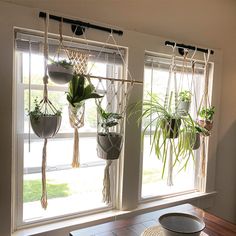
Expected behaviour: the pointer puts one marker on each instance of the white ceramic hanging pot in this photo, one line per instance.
(109, 145)
(46, 126)
(59, 74)
(183, 108)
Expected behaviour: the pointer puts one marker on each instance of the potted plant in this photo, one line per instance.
(184, 102)
(189, 138)
(79, 91)
(109, 143)
(164, 125)
(43, 124)
(60, 72)
(206, 117)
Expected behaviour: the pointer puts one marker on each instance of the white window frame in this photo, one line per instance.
(197, 185)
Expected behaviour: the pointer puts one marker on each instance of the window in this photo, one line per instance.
(70, 191)
(156, 74)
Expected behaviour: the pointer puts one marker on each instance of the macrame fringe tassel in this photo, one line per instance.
(76, 158)
(170, 167)
(202, 171)
(44, 201)
(106, 192)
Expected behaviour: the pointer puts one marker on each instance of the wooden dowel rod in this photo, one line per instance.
(112, 79)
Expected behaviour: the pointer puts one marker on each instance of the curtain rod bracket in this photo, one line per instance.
(78, 30)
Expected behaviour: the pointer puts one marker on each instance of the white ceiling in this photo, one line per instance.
(207, 22)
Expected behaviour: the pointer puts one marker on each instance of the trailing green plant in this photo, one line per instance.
(201, 130)
(36, 113)
(109, 119)
(80, 90)
(187, 138)
(162, 122)
(207, 113)
(63, 63)
(185, 96)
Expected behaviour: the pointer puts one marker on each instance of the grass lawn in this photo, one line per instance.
(64, 187)
(32, 190)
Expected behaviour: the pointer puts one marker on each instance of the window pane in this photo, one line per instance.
(154, 185)
(69, 191)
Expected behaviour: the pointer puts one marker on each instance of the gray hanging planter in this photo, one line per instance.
(183, 108)
(60, 73)
(109, 145)
(46, 126)
(196, 141)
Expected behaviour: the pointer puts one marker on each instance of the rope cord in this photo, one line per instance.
(29, 99)
(106, 183)
(172, 68)
(150, 128)
(76, 118)
(170, 165)
(205, 98)
(61, 46)
(44, 202)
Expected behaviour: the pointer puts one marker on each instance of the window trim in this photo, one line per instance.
(157, 57)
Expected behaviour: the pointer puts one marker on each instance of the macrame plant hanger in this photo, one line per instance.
(76, 114)
(115, 100)
(61, 46)
(60, 71)
(46, 107)
(205, 102)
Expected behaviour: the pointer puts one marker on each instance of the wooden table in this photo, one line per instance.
(135, 225)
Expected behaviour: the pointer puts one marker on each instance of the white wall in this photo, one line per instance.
(216, 32)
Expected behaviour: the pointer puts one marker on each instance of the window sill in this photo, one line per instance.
(86, 221)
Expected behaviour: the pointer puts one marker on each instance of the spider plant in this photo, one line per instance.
(189, 140)
(164, 125)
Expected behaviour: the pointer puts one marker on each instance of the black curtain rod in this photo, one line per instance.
(80, 26)
(181, 46)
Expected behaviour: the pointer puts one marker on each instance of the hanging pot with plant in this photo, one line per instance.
(109, 144)
(79, 90)
(165, 128)
(206, 117)
(60, 72)
(184, 102)
(43, 123)
(170, 126)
